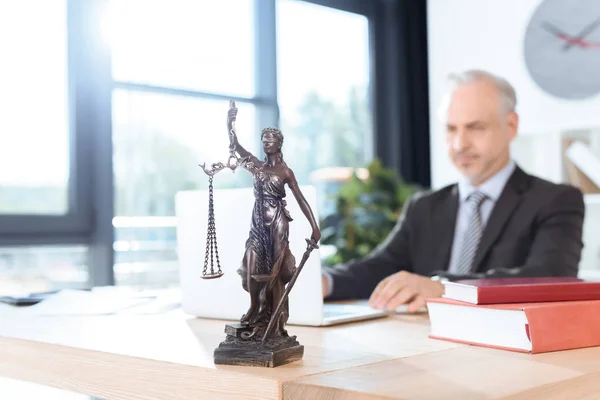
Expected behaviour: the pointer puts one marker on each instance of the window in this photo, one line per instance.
(34, 124)
(84, 125)
(169, 108)
(159, 140)
(323, 93)
(45, 195)
(323, 85)
(198, 45)
(170, 102)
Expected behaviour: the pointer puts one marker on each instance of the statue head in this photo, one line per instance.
(272, 140)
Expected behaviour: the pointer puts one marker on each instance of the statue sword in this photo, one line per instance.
(310, 246)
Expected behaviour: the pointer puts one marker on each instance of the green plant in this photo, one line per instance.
(366, 210)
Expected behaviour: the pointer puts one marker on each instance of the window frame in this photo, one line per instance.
(88, 220)
(77, 220)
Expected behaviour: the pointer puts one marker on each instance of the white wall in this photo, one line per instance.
(488, 34)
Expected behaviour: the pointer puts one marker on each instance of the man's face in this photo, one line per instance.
(478, 132)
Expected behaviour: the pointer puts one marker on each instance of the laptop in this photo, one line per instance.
(224, 298)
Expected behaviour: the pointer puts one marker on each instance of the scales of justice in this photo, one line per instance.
(267, 268)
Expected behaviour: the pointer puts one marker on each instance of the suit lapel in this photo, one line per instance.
(503, 209)
(444, 223)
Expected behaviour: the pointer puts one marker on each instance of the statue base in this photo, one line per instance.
(252, 352)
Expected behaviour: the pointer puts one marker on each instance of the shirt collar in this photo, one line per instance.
(492, 187)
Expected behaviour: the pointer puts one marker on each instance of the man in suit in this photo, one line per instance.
(497, 221)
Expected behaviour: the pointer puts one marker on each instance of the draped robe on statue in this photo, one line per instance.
(268, 252)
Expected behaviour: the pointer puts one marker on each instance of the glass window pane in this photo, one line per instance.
(202, 45)
(159, 140)
(34, 128)
(323, 84)
(42, 268)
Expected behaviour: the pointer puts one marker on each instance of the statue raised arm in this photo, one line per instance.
(234, 144)
(245, 160)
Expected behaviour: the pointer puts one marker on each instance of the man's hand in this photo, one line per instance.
(405, 288)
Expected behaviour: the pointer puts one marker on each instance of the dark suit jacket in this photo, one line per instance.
(535, 229)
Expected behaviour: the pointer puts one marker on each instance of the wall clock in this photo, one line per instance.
(562, 48)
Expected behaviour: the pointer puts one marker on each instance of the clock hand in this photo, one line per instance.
(586, 31)
(554, 30)
(565, 37)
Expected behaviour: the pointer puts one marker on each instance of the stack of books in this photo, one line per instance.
(533, 315)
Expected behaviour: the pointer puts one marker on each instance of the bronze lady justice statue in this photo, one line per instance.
(268, 265)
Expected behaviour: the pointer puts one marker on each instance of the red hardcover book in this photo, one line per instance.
(521, 290)
(527, 327)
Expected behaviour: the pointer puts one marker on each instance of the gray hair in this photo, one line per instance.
(508, 96)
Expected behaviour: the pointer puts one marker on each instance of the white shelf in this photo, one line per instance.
(592, 199)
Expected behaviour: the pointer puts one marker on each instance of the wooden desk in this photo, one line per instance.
(169, 357)
(462, 373)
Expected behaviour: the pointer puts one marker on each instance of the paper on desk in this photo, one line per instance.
(83, 302)
(165, 301)
(7, 310)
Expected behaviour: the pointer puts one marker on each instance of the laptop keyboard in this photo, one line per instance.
(340, 310)
(336, 313)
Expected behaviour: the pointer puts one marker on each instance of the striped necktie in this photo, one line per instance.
(472, 235)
